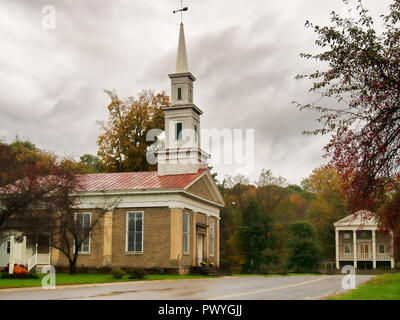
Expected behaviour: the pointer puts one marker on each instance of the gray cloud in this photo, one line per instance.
(244, 54)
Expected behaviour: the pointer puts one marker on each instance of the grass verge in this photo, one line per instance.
(88, 278)
(385, 287)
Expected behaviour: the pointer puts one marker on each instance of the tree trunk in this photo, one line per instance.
(72, 265)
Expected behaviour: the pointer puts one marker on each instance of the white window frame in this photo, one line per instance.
(127, 231)
(348, 245)
(90, 233)
(186, 233)
(363, 246)
(346, 236)
(178, 137)
(384, 248)
(212, 238)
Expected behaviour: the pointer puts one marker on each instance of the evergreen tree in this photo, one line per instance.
(254, 237)
(304, 251)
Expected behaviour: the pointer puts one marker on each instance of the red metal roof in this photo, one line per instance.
(136, 181)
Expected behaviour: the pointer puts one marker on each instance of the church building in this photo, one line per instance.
(166, 219)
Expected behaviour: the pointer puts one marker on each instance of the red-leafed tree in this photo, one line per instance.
(360, 107)
(55, 214)
(20, 186)
(40, 195)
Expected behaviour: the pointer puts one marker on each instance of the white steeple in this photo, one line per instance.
(182, 153)
(181, 59)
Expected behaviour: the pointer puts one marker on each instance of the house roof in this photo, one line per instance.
(136, 181)
(360, 218)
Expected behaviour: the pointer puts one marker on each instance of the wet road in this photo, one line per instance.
(227, 288)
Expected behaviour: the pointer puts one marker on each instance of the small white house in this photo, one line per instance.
(358, 239)
(29, 251)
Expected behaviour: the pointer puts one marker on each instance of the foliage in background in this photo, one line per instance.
(327, 206)
(91, 163)
(255, 222)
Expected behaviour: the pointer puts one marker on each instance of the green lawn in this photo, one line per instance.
(385, 287)
(85, 278)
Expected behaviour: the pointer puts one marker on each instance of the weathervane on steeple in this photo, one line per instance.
(181, 10)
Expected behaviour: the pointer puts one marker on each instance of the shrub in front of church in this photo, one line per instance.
(19, 276)
(137, 273)
(118, 273)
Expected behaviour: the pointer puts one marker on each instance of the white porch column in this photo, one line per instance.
(24, 258)
(337, 247)
(11, 256)
(374, 248)
(392, 249)
(355, 247)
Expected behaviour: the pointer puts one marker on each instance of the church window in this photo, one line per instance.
(179, 93)
(212, 237)
(134, 232)
(186, 228)
(178, 131)
(83, 224)
(196, 133)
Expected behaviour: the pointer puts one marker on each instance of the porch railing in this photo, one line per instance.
(346, 256)
(383, 256)
(365, 256)
(32, 261)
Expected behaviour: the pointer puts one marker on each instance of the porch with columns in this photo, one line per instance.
(362, 249)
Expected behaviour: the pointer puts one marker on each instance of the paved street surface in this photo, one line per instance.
(227, 288)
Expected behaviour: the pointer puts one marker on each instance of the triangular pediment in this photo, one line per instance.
(206, 188)
(363, 217)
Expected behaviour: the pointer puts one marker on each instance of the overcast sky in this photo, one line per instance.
(244, 54)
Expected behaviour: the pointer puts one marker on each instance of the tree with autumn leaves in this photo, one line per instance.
(123, 144)
(40, 196)
(326, 205)
(20, 173)
(359, 107)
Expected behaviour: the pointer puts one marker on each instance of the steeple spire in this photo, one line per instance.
(181, 59)
(182, 153)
